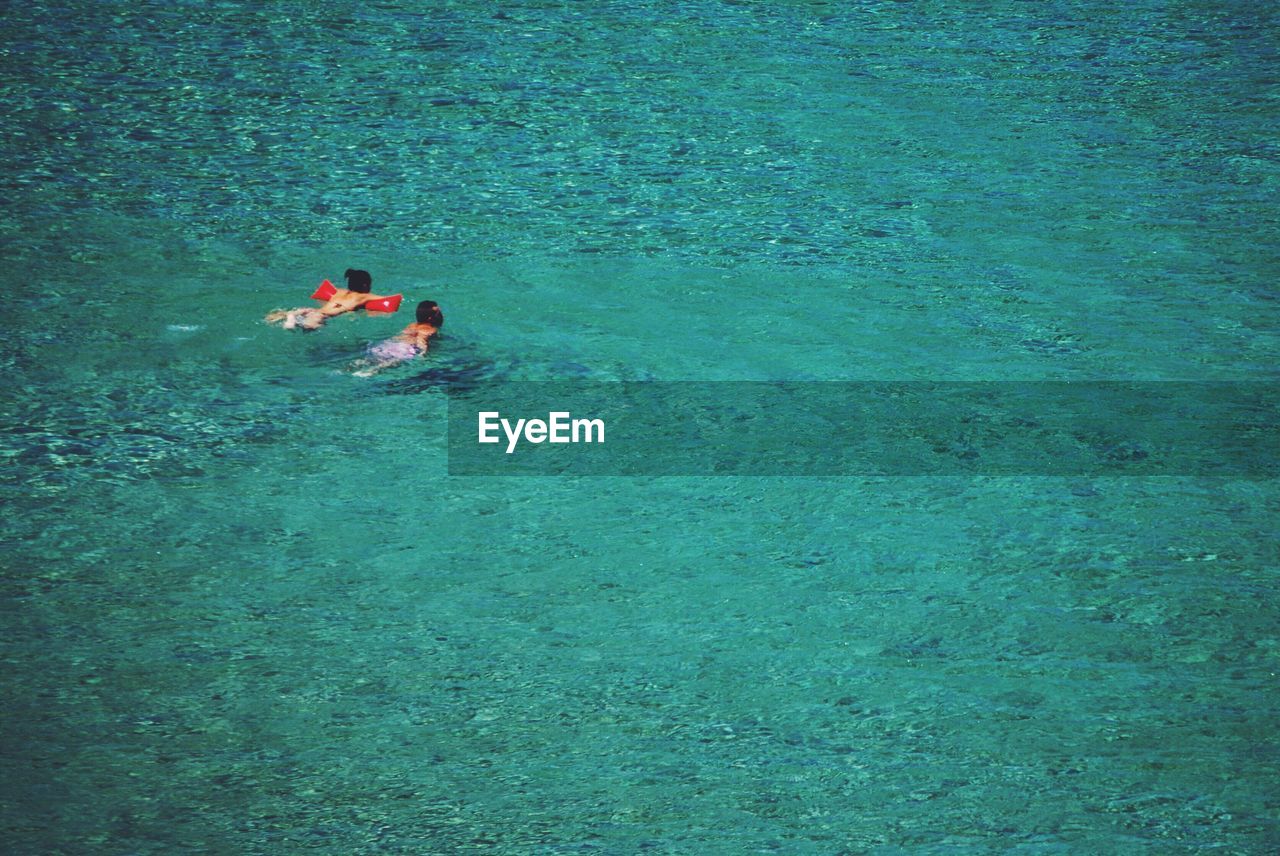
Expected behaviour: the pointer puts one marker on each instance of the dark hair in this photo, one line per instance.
(359, 280)
(429, 313)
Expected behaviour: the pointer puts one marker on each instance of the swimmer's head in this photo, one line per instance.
(359, 280)
(429, 313)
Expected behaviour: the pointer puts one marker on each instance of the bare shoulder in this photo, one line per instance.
(423, 333)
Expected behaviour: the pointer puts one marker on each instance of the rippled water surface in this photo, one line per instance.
(246, 610)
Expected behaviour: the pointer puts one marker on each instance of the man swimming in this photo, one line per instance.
(348, 299)
(409, 343)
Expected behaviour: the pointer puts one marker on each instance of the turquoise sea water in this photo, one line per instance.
(246, 610)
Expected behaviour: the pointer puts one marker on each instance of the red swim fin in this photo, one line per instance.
(325, 291)
(384, 304)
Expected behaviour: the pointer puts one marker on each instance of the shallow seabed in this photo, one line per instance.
(246, 610)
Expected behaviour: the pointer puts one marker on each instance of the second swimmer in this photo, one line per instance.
(409, 343)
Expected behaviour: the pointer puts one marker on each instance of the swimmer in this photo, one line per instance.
(348, 299)
(410, 343)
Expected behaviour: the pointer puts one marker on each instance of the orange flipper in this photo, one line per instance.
(325, 291)
(384, 304)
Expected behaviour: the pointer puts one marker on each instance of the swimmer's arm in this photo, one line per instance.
(365, 298)
(348, 301)
(337, 306)
(343, 301)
